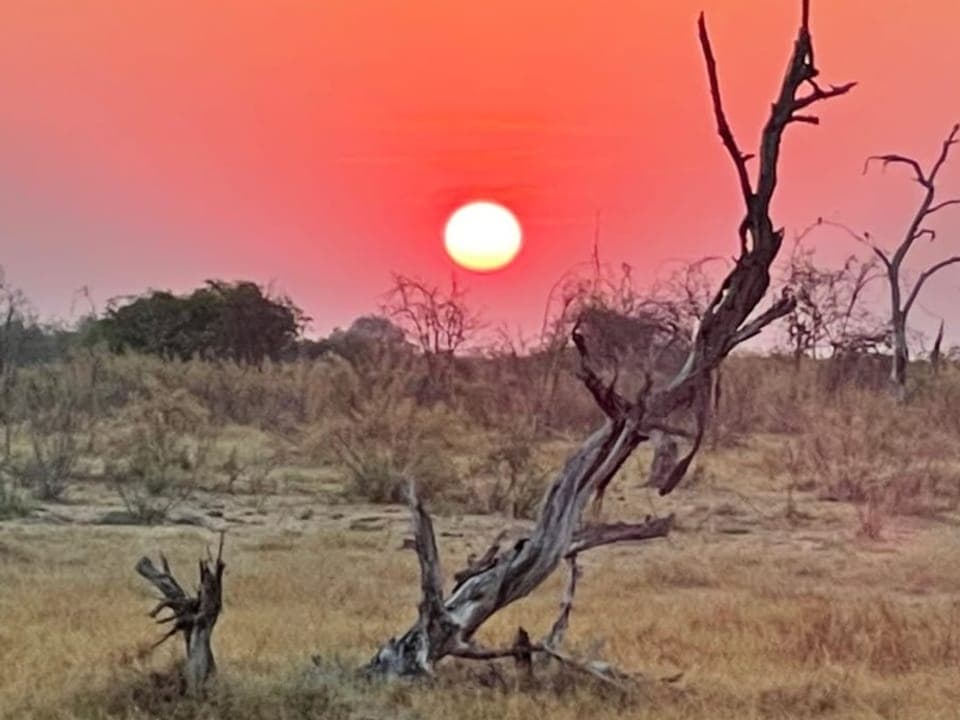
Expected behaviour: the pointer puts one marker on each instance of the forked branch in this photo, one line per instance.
(924, 276)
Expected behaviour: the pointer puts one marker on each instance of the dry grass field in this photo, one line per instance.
(812, 572)
(760, 604)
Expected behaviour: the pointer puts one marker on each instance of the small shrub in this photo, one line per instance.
(12, 505)
(379, 471)
(53, 425)
(868, 450)
(385, 439)
(50, 467)
(519, 478)
(248, 474)
(161, 461)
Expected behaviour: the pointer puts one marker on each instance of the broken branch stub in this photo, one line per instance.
(193, 617)
(446, 625)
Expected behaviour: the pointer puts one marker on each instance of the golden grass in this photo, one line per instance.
(760, 625)
(760, 605)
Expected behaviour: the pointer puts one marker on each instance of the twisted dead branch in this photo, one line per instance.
(446, 625)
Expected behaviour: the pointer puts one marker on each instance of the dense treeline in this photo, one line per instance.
(237, 321)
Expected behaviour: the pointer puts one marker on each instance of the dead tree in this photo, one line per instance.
(439, 322)
(830, 314)
(903, 297)
(446, 624)
(193, 617)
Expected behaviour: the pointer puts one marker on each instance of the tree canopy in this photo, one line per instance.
(221, 320)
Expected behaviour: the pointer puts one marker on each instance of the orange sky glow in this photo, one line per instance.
(321, 144)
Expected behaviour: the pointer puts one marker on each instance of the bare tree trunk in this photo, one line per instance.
(446, 624)
(193, 617)
(893, 262)
(901, 357)
(936, 354)
(7, 439)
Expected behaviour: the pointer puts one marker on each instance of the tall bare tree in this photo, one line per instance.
(446, 624)
(902, 294)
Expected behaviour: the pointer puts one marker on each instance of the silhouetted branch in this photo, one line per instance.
(894, 160)
(924, 276)
(780, 308)
(940, 206)
(723, 126)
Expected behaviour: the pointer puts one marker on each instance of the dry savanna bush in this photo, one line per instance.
(856, 445)
(158, 429)
(757, 617)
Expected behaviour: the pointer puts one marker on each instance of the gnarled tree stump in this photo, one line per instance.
(194, 617)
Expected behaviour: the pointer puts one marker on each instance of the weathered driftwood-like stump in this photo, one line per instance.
(193, 617)
(446, 624)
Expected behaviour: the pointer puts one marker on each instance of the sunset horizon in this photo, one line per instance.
(320, 148)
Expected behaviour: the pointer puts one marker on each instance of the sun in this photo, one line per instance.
(482, 236)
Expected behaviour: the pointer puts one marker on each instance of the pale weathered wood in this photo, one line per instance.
(554, 638)
(447, 626)
(193, 617)
(592, 536)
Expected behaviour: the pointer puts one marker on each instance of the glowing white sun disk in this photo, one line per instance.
(482, 236)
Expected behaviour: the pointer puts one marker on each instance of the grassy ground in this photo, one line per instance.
(753, 608)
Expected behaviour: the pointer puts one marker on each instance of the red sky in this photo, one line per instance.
(320, 144)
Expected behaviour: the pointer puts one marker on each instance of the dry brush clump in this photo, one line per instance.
(56, 414)
(865, 448)
(519, 476)
(382, 436)
(884, 636)
(12, 502)
(159, 453)
(384, 448)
